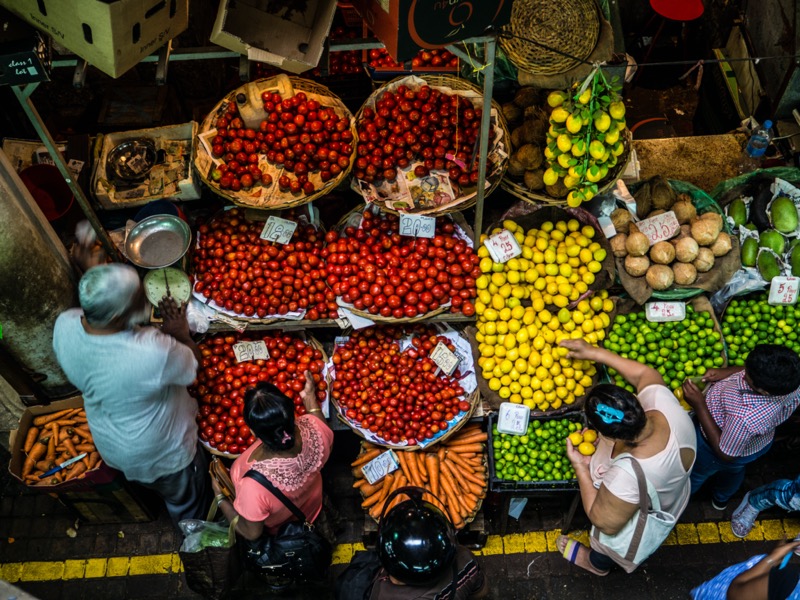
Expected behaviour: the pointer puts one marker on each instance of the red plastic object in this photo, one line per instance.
(678, 10)
(49, 189)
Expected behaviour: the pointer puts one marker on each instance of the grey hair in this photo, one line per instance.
(107, 292)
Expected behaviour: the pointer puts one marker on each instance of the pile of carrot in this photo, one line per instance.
(55, 438)
(454, 471)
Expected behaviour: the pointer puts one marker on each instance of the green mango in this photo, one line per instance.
(773, 240)
(768, 266)
(750, 226)
(795, 261)
(749, 252)
(783, 214)
(738, 212)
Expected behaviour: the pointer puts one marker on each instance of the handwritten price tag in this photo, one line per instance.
(246, 351)
(503, 246)
(783, 290)
(660, 312)
(513, 418)
(445, 359)
(659, 228)
(278, 230)
(380, 467)
(417, 226)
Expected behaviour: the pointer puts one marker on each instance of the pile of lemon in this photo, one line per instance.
(585, 139)
(523, 314)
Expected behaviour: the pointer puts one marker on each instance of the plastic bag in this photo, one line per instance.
(200, 535)
(199, 315)
(725, 191)
(744, 281)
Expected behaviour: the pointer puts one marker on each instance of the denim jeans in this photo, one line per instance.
(783, 492)
(599, 561)
(728, 475)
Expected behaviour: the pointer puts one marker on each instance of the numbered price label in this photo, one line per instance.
(247, 351)
(380, 467)
(446, 360)
(783, 290)
(417, 226)
(503, 246)
(513, 418)
(278, 230)
(660, 227)
(661, 312)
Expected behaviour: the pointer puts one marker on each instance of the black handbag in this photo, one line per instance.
(296, 552)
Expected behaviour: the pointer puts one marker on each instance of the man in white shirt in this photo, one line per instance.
(133, 381)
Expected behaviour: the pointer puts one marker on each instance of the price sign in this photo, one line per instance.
(783, 290)
(513, 418)
(246, 351)
(660, 312)
(503, 246)
(445, 359)
(380, 467)
(659, 228)
(417, 226)
(278, 230)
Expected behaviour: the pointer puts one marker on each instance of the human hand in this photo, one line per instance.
(713, 375)
(692, 394)
(780, 552)
(578, 460)
(216, 486)
(579, 349)
(309, 393)
(174, 315)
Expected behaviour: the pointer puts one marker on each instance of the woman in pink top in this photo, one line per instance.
(289, 452)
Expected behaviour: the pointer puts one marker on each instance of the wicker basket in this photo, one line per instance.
(520, 191)
(273, 198)
(571, 26)
(348, 219)
(455, 85)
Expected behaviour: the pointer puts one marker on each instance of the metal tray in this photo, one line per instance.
(131, 160)
(158, 241)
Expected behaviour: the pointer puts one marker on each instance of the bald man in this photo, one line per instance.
(133, 381)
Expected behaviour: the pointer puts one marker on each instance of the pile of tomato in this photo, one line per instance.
(222, 382)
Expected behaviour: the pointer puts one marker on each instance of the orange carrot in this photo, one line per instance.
(51, 448)
(457, 459)
(85, 448)
(82, 433)
(94, 460)
(44, 465)
(469, 439)
(70, 447)
(37, 452)
(371, 500)
(477, 448)
(65, 422)
(45, 419)
(421, 464)
(55, 429)
(454, 473)
(365, 458)
(414, 478)
(368, 489)
(75, 471)
(475, 479)
(432, 464)
(30, 439)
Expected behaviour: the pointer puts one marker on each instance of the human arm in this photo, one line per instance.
(605, 511)
(250, 530)
(694, 398)
(309, 397)
(634, 372)
(753, 584)
(714, 375)
(176, 325)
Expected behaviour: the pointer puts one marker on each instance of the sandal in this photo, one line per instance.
(577, 554)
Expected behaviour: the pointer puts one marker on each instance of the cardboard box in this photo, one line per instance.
(160, 183)
(98, 476)
(288, 38)
(111, 35)
(406, 26)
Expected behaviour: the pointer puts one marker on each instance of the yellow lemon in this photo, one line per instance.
(594, 266)
(596, 149)
(486, 264)
(564, 142)
(574, 124)
(576, 438)
(590, 435)
(574, 199)
(612, 137)
(559, 115)
(585, 96)
(586, 448)
(616, 109)
(494, 384)
(556, 98)
(578, 148)
(602, 122)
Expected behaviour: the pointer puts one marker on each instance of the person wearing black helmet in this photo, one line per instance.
(420, 557)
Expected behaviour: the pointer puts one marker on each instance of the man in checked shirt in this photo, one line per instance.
(736, 418)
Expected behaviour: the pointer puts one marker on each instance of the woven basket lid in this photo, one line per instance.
(571, 26)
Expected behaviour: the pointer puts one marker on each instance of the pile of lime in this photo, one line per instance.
(676, 349)
(538, 455)
(751, 321)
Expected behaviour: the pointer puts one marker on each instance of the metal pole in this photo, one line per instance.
(488, 85)
(23, 95)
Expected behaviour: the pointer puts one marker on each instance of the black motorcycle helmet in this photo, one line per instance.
(416, 541)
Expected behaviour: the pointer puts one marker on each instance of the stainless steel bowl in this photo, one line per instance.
(132, 160)
(158, 241)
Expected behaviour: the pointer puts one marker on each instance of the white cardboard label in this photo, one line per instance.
(660, 312)
(513, 418)
(783, 290)
(246, 351)
(607, 226)
(380, 467)
(278, 230)
(417, 226)
(503, 246)
(659, 228)
(446, 360)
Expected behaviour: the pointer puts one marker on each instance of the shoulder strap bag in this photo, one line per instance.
(643, 533)
(296, 552)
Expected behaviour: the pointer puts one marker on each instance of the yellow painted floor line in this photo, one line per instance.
(684, 534)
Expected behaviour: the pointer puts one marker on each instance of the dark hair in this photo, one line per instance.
(269, 413)
(617, 398)
(774, 369)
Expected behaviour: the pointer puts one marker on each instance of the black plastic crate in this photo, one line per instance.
(522, 487)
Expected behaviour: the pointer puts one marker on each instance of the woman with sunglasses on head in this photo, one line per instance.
(652, 429)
